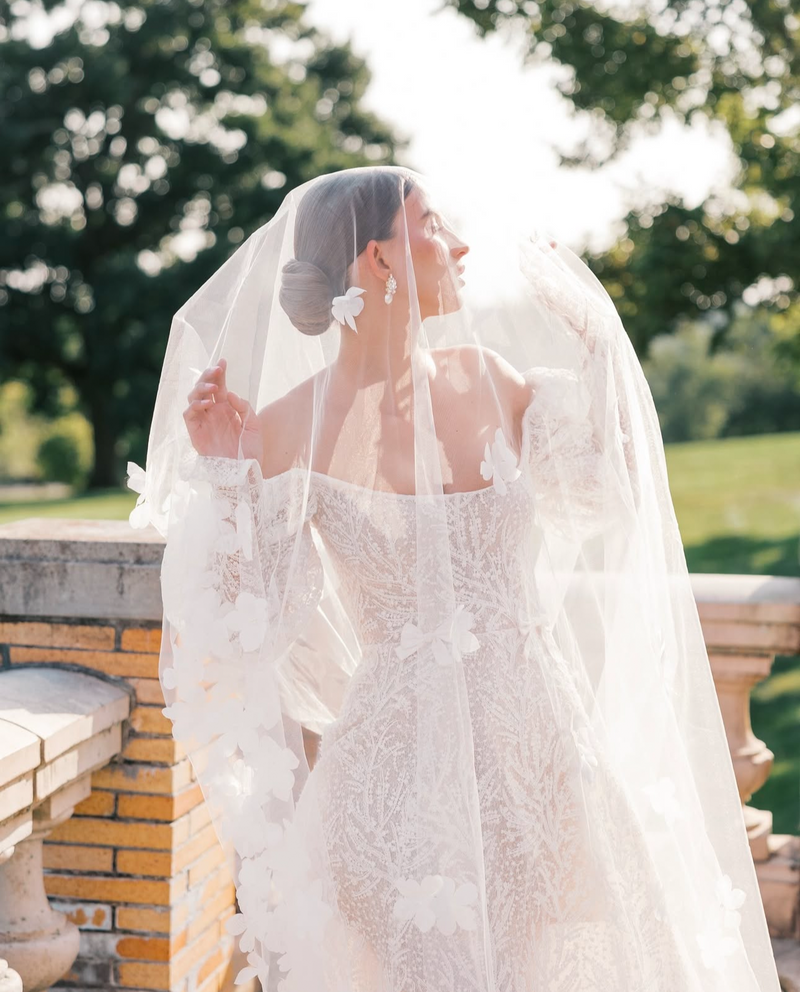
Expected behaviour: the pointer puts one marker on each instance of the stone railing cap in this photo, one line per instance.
(20, 751)
(720, 588)
(60, 706)
(59, 539)
(50, 567)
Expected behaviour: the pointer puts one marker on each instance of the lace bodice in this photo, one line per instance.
(372, 542)
(495, 532)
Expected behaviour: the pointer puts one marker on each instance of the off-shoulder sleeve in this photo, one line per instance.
(241, 564)
(576, 445)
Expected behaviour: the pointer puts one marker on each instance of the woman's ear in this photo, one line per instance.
(376, 260)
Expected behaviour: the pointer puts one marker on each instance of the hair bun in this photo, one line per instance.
(306, 296)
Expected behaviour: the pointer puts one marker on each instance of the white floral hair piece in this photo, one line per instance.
(346, 308)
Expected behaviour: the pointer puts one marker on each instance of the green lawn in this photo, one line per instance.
(110, 504)
(775, 715)
(738, 503)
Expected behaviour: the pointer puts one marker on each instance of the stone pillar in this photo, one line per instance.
(9, 979)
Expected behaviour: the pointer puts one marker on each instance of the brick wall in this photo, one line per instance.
(138, 867)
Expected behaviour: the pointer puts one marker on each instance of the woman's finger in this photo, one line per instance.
(196, 409)
(202, 391)
(241, 406)
(209, 374)
(213, 374)
(222, 366)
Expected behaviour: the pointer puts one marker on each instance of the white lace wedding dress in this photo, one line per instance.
(572, 898)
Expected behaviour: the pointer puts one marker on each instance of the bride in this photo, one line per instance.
(424, 521)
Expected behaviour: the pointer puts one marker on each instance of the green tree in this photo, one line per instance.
(140, 147)
(735, 63)
(747, 387)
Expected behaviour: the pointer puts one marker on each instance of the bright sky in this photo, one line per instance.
(480, 121)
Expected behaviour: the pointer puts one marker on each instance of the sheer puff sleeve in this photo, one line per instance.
(577, 441)
(241, 582)
(230, 612)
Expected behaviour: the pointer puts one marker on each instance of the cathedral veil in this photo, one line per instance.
(427, 518)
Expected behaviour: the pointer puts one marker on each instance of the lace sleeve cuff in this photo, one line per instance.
(226, 472)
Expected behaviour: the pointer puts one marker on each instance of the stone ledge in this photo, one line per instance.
(63, 539)
(56, 727)
(51, 567)
(756, 615)
(61, 707)
(745, 598)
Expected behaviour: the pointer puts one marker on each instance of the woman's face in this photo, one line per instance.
(436, 255)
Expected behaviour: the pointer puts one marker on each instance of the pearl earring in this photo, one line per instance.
(391, 287)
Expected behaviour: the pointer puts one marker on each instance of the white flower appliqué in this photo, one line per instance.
(436, 901)
(346, 308)
(730, 900)
(256, 967)
(534, 627)
(140, 515)
(717, 942)
(448, 641)
(499, 463)
(662, 798)
(249, 620)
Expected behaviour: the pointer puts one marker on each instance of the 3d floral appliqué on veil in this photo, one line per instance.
(437, 539)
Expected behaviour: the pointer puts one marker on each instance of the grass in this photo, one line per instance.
(106, 504)
(737, 501)
(775, 715)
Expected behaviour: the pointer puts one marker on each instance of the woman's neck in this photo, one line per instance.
(381, 351)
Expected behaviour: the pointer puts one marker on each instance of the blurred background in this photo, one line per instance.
(142, 142)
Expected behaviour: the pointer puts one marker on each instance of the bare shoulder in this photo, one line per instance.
(285, 423)
(475, 361)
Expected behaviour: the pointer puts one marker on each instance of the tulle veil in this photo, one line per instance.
(430, 524)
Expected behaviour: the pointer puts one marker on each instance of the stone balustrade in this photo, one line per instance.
(138, 868)
(57, 726)
(747, 620)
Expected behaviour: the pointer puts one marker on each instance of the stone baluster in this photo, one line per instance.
(747, 620)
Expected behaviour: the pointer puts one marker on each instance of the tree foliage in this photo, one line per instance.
(743, 388)
(141, 145)
(729, 62)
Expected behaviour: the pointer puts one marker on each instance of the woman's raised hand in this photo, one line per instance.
(219, 422)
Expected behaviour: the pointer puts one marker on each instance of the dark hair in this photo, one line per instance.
(336, 219)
